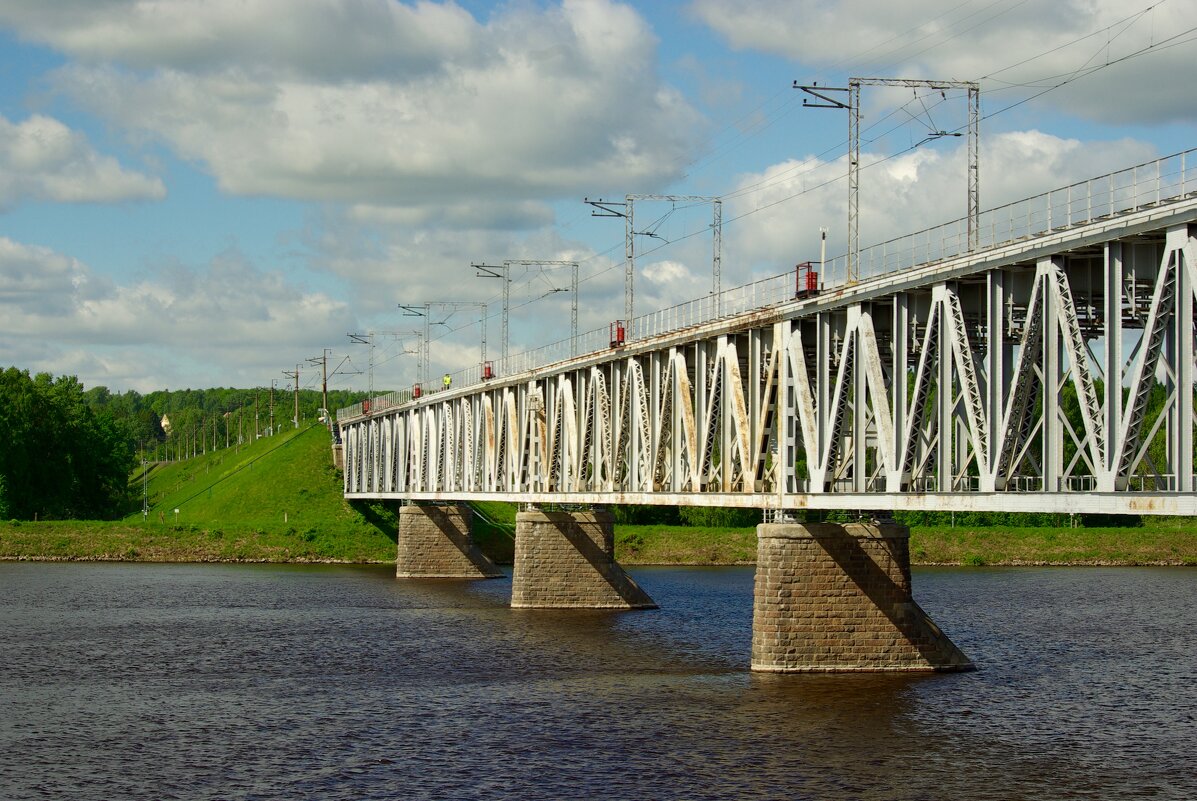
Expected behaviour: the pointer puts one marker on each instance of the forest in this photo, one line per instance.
(67, 452)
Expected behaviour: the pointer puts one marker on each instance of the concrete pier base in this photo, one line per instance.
(566, 560)
(434, 542)
(836, 598)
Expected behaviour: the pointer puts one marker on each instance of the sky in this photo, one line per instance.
(199, 193)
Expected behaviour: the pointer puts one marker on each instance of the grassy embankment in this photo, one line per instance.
(1159, 541)
(277, 499)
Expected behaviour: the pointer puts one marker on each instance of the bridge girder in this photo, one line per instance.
(1054, 375)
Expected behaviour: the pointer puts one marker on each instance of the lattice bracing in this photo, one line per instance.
(1056, 373)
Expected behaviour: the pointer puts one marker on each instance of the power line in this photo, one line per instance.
(814, 162)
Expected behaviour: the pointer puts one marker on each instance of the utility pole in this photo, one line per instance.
(612, 208)
(273, 381)
(573, 289)
(366, 339)
(424, 310)
(606, 208)
(323, 359)
(853, 108)
(294, 374)
(421, 310)
(256, 433)
(492, 271)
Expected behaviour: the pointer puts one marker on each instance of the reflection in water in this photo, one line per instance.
(206, 682)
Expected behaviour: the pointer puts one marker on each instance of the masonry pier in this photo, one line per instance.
(836, 598)
(566, 560)
(434, 542)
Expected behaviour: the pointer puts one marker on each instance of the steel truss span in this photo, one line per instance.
(1053, 373)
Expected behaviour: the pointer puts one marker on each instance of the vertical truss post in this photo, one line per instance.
(1052, 431)
(900, 339)
(997, 358)
(823, 379)
(1112, 286)
(945, 394)
(860, 434)
(786, 456)
(1180, 416)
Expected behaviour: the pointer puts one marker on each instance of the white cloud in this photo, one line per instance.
(920, 38)
(786, 204)
(495, 215)
(378, 102)
(666, 283)
(42, 159)
(226, 321)
(327, 39)
(37, 281)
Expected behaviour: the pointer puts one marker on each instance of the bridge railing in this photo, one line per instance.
(1141, 186)
(765, 292)
(1148, 184)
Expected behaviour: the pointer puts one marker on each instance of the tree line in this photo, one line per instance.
(176, 424)
(59, 458)
(67, 452)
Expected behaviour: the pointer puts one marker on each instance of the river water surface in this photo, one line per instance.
(126, 681)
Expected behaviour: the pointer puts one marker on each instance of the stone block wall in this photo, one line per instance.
(434, 542)
(566, 560)
(832, 598)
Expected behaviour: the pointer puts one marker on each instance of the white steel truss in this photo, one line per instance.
(1056, 375)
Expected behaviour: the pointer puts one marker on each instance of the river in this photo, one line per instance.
(140, 681)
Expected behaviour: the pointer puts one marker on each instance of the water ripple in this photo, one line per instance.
(268, 682)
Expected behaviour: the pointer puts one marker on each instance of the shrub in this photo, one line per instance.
(719, 517)
(633, 541)
(645, 515)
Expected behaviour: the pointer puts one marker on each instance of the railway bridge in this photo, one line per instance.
(1042, 360)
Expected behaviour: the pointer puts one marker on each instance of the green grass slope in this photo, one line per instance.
(276, 499)
(279, 499)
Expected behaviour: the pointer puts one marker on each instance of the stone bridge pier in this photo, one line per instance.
(835, 598)
(567, 560)
(435, 542)
(827, 598)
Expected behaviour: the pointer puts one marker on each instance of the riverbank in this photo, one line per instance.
(87, 540)
(1167, 541)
